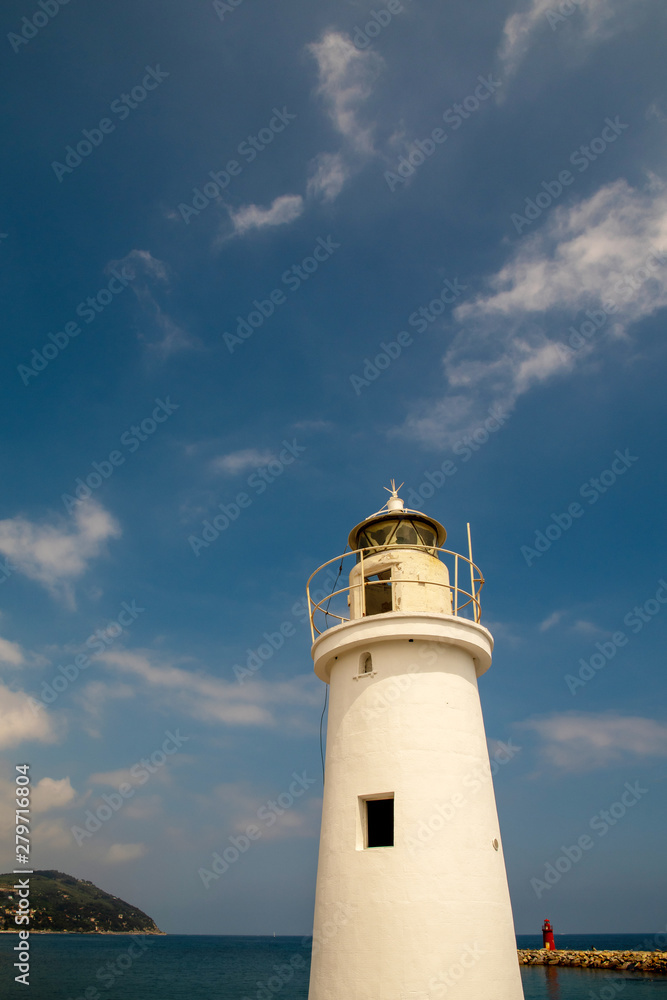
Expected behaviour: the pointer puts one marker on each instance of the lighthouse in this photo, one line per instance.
(412, 901)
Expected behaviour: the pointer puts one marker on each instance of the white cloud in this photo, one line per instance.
(328, 174)
(144, 267)
(579, 741)
(114, 778)
(94, 699)
(282, 210)
(238, 461)
(346, 75)
(590, 20)
(598, 250)
(210, 699)
(655, 110)
(120, 853)
(518, 30)
(52, 793)
(56, 554)
(48, 836)
(345, 82)
(141, 262)
(581, 255)
(313, 426)
(11, 653)
(20, 722)
(552, 620)
(97, 694)
(587, 628)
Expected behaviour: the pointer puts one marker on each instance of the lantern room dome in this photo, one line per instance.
(394, 525)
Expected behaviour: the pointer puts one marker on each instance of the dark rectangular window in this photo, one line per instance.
(378, 595)
(380, 822)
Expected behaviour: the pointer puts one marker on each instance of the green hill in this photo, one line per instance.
(60, 902)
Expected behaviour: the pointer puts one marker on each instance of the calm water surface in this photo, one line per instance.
(83, 967)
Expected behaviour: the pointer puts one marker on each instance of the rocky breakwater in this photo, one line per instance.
(624, 961)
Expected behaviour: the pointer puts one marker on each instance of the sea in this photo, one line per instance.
(189, 967)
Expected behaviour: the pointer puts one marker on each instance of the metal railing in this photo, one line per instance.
(462, 599)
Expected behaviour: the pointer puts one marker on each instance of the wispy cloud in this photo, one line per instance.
(282, 210)
(56, 554)
(552, 620)
(146, 270)
(213, 700)
(585, 255)
(345, 82)
(238, 803)
(577, 257)
(122, 853)
(327, 176)
(346, 75)
(595, 21)
(583, 741)
(587, 628)
(238, 461)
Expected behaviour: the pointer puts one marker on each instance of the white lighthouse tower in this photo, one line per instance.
(412, 900)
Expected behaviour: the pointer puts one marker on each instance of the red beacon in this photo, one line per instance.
(548, 936)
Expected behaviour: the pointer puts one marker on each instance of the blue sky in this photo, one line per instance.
(438, 234)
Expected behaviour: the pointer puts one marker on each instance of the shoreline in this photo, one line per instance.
(623, 961)
(86, 933)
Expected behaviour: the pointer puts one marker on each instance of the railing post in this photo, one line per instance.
(311, 613)
(456, 584)
(363, 586)
(472, 577)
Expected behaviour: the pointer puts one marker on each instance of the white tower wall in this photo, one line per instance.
(429, 917)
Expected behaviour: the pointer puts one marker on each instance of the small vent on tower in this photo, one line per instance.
(366, 664)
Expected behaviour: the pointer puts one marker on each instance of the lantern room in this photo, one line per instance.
(398, 567)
